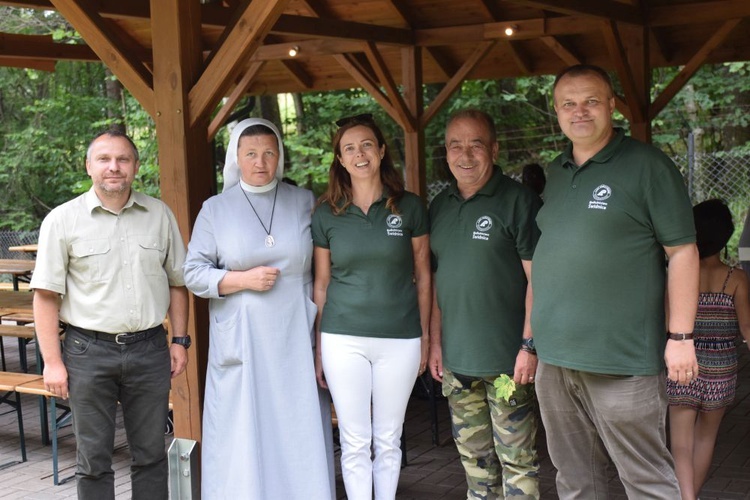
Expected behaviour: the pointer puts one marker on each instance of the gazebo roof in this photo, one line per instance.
(336, 39)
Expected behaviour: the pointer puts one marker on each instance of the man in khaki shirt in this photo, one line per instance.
(110, 266)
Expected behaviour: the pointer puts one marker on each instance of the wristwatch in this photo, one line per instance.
(528, 345)
(183, 341)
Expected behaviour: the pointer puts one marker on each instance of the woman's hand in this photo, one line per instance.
(261, 278)
(319, 370)
(425, 354)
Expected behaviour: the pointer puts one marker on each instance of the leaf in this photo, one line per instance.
(504, 387)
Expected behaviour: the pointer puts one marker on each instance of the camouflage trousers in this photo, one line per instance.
(495, 438)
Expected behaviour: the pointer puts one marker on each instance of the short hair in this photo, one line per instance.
(713, 226)
(113, 132)
(475, 114)
(586, 69)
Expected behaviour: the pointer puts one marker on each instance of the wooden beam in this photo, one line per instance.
(697, 12)
(444, 64)
(414, 140)
(240, 40)
(561, 50)
(298, 73)
(406, 119)
(318, 8)
(455, 82)
(619, 58)
(237, 94)
(491, 9)
(635, 41)
(333, 28)
(42, 47)
(308, 49)
(185, 173)
(367, 83)
(623, 108)
(37, 64)
(451, 35)
(692, 66)
(611, 11)
(523, 62)
(112, 47)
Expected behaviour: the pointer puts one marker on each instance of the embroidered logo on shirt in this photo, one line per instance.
(394, 222)
(483, 225)
(601, 193)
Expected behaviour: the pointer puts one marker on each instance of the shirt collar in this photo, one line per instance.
(488, 189)
(602, 156)
(93, 201)
(383, 197)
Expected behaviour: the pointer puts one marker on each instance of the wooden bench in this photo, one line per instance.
(28, 383)
(19, 318)
(8, 386)
(24, 334)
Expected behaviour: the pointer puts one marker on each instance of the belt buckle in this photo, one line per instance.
(117, 338)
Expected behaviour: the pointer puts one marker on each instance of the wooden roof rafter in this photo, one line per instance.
(691, 67)
(455, 82)
(405, 118)
(113, 47)
(242, 37)
(611, 11)
(234, 97)
(617, 52)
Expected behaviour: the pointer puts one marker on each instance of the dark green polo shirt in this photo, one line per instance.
(477, 246)
(372, 291)
(599, 267)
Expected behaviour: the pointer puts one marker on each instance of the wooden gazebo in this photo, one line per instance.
(189, 62)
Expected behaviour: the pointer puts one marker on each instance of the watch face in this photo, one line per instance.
(528, 343)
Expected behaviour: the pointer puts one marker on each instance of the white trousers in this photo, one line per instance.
(360, 371)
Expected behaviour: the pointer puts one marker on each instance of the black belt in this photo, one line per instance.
(121, 338)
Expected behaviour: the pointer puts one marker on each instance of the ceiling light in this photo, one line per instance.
(511, 30)
(294, 51)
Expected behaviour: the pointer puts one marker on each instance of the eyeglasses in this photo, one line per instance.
(364, 117)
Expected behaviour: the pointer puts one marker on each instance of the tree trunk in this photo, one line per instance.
(114, 90)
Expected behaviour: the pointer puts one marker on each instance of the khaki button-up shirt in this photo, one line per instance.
(113, 271)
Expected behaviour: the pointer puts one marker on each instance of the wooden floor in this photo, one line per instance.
(433, 472)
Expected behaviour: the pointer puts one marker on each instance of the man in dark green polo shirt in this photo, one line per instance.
(483, 236)
(613, 208)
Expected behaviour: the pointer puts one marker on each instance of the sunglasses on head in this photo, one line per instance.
(364, 117)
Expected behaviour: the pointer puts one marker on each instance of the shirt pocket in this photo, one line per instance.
(151, 254)
(92, 260)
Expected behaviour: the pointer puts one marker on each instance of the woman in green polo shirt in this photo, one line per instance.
(372, 289)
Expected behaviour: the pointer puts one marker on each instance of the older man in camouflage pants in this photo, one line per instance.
(482, 238)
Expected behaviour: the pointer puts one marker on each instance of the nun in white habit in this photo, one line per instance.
(266, 426)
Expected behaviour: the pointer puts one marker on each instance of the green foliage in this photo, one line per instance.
(504, 387)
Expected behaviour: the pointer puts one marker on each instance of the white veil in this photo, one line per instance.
(232, 172)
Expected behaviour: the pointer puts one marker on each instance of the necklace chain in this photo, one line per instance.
(273, 209)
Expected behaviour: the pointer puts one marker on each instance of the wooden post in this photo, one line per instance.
(185, 173)
(414, 141)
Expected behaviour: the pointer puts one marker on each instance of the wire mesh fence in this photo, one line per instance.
(16, 238)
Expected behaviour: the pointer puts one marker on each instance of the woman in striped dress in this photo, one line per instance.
(696, 410)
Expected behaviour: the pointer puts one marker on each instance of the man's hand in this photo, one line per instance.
(525, 369)
(682, 365)
(179, 357)
(436, 362)
(56, 379)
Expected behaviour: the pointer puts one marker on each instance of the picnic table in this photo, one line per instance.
(31, 248)
(12, 302)
(18, 268)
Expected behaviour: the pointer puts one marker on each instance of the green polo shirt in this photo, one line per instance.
(477, 246)
(372, 291)
(599, 267)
